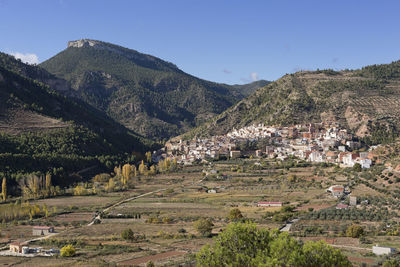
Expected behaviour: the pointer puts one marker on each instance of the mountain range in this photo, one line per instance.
(41, 128)
(146, 94)
(97, 103)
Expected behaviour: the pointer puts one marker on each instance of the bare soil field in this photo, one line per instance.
(75, 216)
(153, 258)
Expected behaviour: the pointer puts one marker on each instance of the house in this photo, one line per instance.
(383, 250)
(235, 154)
(353, 201)
(42, 230)
(16, 247)
(336, 190)
(269, 204)
(342, 207)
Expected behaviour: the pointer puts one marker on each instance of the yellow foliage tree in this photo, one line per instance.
(79, 190)
(148, 156)
(142, 168)
(127, 173)
(118, 171)
(48, 181)
(111, 185)
(4, 189)
(153, 170)
(161, 165)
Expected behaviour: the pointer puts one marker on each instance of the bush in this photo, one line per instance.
(354, 231)
(128, 234)
(67, 251)
(246, 245)
(235, 214)
(203, 226)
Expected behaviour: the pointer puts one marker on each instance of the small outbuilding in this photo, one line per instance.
(269, 204)
(16, 247)
(42, 230)
(377, 250)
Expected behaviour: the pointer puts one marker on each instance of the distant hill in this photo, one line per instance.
(249, 88)
(41, 129)
(146, 94)
(366, 101)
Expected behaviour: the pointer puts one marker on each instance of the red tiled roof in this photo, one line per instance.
(42, 227)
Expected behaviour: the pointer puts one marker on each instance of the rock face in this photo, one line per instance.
(82, 43)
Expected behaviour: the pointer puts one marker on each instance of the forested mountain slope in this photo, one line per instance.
(42, 130)
(146, 94)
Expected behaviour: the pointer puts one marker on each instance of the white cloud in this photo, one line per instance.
(27, 57)
(254, 76)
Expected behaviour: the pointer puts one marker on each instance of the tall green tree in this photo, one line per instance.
(243, 245)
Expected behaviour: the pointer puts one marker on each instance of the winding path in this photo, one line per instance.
(123, 201)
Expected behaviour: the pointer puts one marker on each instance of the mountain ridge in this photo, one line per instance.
(146, 94)
(365, 101)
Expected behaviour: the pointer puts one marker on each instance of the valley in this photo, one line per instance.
(119, 158)
(163, 221)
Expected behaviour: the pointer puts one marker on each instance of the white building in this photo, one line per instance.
(383, 250)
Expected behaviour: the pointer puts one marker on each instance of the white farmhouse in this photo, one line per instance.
(377, 250)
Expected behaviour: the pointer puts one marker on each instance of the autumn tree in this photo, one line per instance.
(127, 173)
(67, 251)
(110, 185)
(354, 231)
(142, 168)
(153, 170)
(48, 181)
(4, 189)
(148, 156)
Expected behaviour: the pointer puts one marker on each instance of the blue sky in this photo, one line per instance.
(226, 41)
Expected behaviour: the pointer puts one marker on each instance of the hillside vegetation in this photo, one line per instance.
(146, 94)
(366, 101)
(42, 130)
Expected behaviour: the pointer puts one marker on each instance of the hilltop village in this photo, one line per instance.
(317, 142)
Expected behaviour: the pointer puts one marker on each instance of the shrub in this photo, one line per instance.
(67, 251)
(354, 231)
(128, 234)
(235, 214)
(203, 226)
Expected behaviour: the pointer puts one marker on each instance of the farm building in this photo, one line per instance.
(353, 201)
(342, 207)
(235, 154)
(383, 250)
(16, 247)
(42, 230)
(336, 190)
(269, 204)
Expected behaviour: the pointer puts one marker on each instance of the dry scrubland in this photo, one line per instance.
(163, 222)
